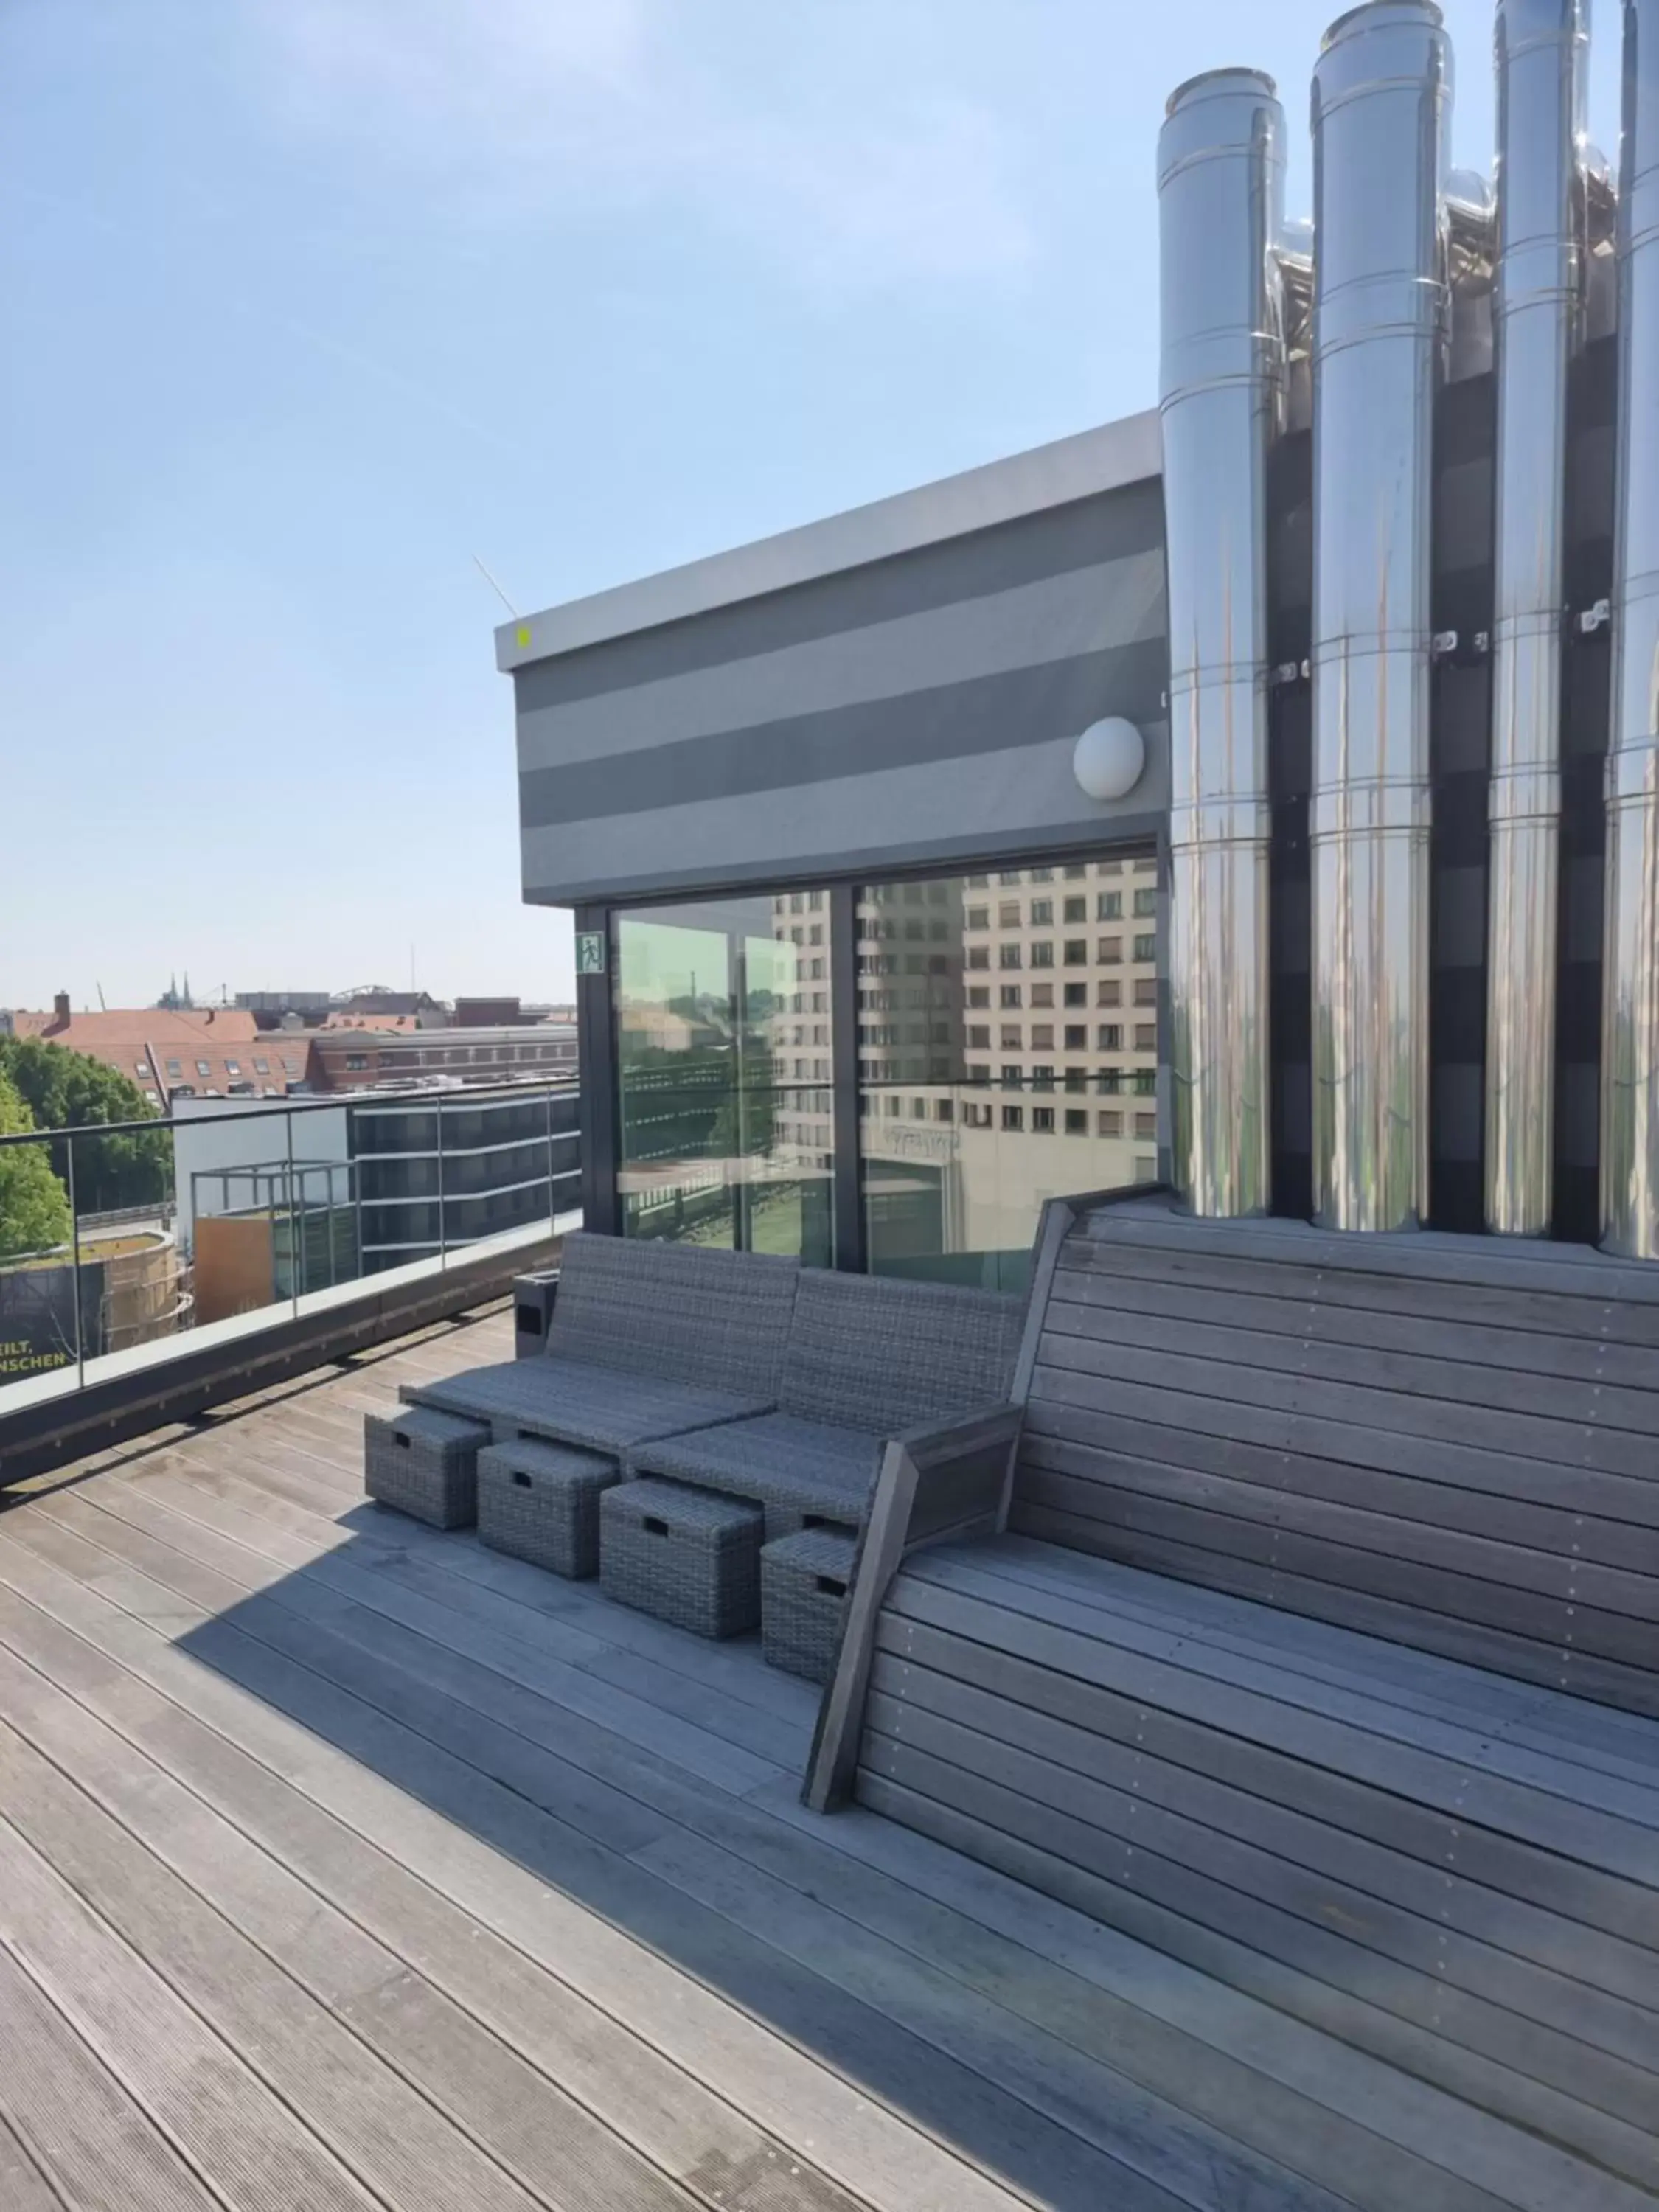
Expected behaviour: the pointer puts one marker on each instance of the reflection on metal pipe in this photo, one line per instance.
(1599, 244)
(1382, 96)
(1221, 170)
(1471, 262)
(1630, 1021)
(1541, 47)
(1296, 272)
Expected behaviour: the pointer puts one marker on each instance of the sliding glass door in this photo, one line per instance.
(724, 1078)
(1007, 1051)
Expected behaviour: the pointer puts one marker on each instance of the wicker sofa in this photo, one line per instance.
(869, 1359)
(648, 1340)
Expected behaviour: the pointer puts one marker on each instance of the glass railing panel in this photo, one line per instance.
(115, 1240)
(42, 1287)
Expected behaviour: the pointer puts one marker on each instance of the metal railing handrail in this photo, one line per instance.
(265, 1108)
(445, 1101)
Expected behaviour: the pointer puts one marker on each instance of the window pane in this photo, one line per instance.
(954, 1191)
(725, 1108)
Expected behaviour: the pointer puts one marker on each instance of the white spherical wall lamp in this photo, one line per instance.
(1108, 758)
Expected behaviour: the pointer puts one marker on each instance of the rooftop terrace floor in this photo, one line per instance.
(343, 1863)
(346, 1864)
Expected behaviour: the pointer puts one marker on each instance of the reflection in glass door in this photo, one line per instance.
(722, 1014)
(1008, 1053)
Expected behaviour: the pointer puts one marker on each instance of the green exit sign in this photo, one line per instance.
(589, 952)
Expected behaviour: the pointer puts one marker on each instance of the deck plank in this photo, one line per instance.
(756, 2029)
(1010, 2132)
(80, 2142)
(281, 1985)
(517, 2115)
(192, 2084)
(691, 2135)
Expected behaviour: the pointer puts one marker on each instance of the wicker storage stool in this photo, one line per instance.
(804, 1581)
(424, 1464)
(540, 1502)
(689, 1556)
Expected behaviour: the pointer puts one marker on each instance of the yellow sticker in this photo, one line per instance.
(524, 634)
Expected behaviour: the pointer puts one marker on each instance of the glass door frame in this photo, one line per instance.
(599, 1034)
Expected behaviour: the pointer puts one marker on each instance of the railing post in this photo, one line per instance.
(443, 1226)
(547, 1100)
(292, 1229)
(75, 1265)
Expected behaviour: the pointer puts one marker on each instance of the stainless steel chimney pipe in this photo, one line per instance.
(1381, 102)
(1220, 183)
(1539, 51)
(1630, 1020)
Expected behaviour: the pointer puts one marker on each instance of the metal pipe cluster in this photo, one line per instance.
(1403, 254)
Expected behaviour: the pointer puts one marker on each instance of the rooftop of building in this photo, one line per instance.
(89, 1030)
(161, 1048)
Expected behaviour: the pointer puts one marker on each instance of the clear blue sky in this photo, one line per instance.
(307, 301)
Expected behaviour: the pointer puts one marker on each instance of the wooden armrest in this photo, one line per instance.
(931, 1442)
(940, 1481)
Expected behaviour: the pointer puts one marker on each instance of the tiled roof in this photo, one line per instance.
(160, 1051)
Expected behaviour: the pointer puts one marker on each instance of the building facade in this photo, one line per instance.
(344, 1057)
(865, 975)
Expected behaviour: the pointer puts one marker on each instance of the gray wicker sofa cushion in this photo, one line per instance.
(579, 1404)
(716, 1321)
(777, 1461)
(884, 1356)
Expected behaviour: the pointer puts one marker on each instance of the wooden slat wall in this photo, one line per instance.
(1454, 1873)
(1443, 1441)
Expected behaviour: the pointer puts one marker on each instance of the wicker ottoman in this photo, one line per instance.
(689, 1556)
(425, 1463)
(803, 1583)
(540, 1502)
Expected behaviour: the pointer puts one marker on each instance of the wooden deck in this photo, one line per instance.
(345, 1865)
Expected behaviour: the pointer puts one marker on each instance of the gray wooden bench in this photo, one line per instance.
(1322, 1654)
(646, 1339)
(1454, 1873)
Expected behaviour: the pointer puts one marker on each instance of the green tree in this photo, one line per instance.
(34, 1212)
(65, 1089)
